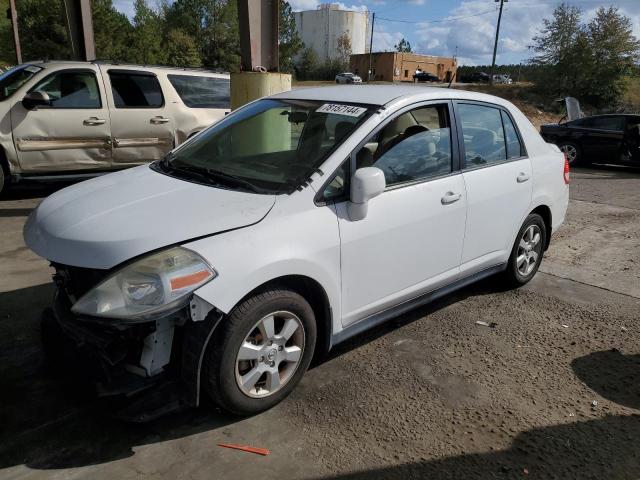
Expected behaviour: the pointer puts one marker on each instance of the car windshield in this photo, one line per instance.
(14, 78)
(270, 146)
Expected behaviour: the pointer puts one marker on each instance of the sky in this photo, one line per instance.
(465, 27)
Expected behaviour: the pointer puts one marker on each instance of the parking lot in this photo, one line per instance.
(552, 390)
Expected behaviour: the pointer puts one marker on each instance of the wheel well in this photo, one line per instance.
(313, 293)
(545, 213)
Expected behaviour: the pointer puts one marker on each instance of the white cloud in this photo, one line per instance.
(298, 5)
(417, 2)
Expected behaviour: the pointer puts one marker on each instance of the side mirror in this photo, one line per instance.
(36, 99)
(366, 183)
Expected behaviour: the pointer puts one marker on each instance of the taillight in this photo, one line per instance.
(566, 170)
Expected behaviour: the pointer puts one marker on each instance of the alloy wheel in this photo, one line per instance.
(529, 250)
(571, 152)
(270, 354)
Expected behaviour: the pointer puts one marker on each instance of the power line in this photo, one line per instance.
(442, 20)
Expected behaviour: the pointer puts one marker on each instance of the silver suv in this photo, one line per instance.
(77, 119)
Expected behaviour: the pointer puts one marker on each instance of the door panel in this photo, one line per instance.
(498, 198)
(73, 134)
(411, 240)
(497, 181)
(409, 243)
(142, 130)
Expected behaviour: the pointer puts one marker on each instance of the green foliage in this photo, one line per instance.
(146, 41)
(106, 22)
(588, 61)
(7, 53)
(181, 50)
(43, 31)
(289, 42)
(307, 64)
(403, 46)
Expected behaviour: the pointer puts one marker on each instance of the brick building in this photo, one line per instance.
(400, 67)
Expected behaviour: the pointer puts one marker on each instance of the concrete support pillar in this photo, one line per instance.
(249, 86)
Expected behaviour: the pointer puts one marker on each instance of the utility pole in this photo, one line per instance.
(13, 15)
(373, 22)
(495, 45)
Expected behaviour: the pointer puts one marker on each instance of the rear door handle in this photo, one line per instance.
(450, 197)
(157, 120)
(92, 121)
(523, 177)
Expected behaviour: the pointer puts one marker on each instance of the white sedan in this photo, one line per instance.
(296, 222)
(348, 78)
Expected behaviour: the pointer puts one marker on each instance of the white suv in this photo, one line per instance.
(298, 221)
(64, 120)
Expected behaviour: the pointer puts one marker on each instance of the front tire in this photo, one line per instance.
(527, 251)
(3, 180)
(263, 349)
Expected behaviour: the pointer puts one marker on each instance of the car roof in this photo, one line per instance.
(384, 94)
(77, 64)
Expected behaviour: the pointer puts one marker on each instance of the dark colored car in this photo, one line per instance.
(600, 138)
(425, 77)
(476, 77)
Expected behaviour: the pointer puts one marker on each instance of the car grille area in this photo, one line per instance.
(76, 281)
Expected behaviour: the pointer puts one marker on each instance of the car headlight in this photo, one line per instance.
(157, 283)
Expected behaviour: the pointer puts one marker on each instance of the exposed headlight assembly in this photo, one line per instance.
(154, 284)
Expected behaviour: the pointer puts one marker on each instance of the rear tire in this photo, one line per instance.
(527, 251)
(254, 363)
(573, 152)
(3, 179)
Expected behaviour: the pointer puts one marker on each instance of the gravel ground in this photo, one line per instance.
(551, 391)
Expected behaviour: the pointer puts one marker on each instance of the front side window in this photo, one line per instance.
(271, 146)
(14, 78)
(202, 92)
(484, 141)
(414, 146)
(135, 90)
(71, 89)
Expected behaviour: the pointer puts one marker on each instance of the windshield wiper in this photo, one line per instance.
(216, 177)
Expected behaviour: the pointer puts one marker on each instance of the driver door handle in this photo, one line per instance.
(159, 119)
(450, 197)
(93, 121)
(523, 177)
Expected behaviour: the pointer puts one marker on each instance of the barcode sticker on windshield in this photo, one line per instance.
(348, 110)
(32, 69)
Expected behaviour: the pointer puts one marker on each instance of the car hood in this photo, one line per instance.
(108, 220)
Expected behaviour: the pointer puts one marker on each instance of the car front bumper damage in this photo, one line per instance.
(145, 369)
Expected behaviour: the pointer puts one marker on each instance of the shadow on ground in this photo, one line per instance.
(27, 190)
(48, 424)
(612, 375)
(597, 449)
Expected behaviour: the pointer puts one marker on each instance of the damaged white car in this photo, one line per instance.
(298, 221)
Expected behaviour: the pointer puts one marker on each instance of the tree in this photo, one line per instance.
(106, 21)
(307, 64)
(43, 30)
(181, 50)
(289, 42)
(343, 47)
(147, 35)
(615, 53)
(587, 61)
(403, 46)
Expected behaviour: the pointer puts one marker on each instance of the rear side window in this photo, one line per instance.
(202, 92)
(135, 90)
(514, 147)
(484, 140)
(71, 89)
(608, 123)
